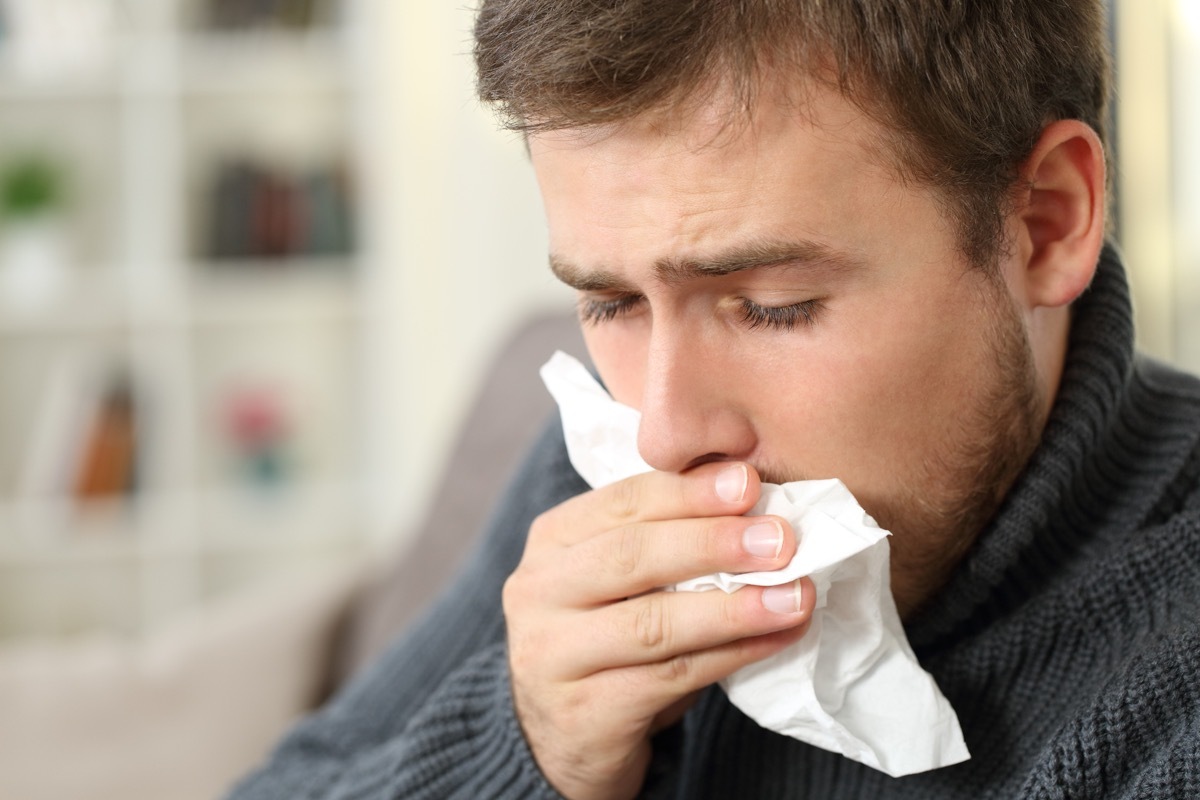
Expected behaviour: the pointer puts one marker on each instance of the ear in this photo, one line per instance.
(1060, 214)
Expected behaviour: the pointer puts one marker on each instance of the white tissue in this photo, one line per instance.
(852, 684)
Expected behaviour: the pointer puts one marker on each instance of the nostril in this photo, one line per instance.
(708, 458)
(677, 434)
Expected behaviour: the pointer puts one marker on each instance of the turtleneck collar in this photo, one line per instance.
(1037, 527)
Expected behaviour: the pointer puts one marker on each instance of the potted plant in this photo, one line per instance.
(33, 241)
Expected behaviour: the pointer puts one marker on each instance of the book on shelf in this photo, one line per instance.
(259, 212)
(83, 443)
(108, 458)
(293, 15)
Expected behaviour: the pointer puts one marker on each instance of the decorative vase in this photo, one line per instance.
(33, 261)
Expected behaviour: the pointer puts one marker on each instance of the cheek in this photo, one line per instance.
(872, 395)
(619, 356)
(917, 370)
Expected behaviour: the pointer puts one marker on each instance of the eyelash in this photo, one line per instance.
(754, 316)
(780, 318)
(593, 312)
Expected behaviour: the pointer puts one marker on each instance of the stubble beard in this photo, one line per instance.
(964, 479)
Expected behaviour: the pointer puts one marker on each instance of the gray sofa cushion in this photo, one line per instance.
(509, 408)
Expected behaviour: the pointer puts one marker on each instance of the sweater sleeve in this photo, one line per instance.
(433, 717)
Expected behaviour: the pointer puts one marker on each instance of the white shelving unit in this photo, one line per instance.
(142, 131)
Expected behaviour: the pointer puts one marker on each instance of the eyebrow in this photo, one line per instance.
(754, 255)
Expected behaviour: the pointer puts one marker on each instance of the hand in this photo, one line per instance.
(602, 657)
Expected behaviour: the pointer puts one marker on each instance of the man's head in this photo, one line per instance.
(777, 265)
(961, 89)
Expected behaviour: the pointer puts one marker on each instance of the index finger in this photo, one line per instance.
(710, 490)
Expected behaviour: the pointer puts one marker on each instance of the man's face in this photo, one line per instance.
(772, 292)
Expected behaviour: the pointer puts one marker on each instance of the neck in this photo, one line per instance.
(1049, 333)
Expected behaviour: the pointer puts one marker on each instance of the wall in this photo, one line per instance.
(463, 223)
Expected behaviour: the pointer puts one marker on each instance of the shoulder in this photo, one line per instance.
(1140, 735)
(546, 477)
(1166, 404)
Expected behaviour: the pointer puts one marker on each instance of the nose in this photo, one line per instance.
(691, 409)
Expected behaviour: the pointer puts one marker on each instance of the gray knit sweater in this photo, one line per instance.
(1068, 640)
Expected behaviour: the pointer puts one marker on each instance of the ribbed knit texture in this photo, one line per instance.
(1068, 640)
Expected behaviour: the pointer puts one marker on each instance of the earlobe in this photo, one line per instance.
(1061, 213)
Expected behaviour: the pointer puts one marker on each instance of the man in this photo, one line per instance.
(861, 240)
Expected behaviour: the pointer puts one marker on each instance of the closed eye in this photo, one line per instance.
(784, 318)
(593, 311)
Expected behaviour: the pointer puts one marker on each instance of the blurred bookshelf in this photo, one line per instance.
(185, 304)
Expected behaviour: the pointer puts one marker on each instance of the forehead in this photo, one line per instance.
(723, 129)
(678, 182)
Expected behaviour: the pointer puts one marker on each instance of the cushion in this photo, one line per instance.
(181, 714)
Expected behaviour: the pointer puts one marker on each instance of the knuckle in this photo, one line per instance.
(625, 499)
(691, 491)
(630, 544)
(573, 702)
(719, 541)
(650, 624)
(513, 594)
(508, 592)
(677, 669)
(540, 527)
(529, 651)
(728, 616)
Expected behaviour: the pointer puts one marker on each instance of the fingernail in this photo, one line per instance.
(763, 539)
(783, 599)
(731, 483)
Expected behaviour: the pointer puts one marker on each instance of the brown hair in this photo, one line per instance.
(964, 87)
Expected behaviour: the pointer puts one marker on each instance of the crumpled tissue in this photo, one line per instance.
(852, 684)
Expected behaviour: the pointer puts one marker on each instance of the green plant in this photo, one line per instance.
(30, 186)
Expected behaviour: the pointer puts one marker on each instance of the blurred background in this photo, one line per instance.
(254, 258)
(253, 255)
